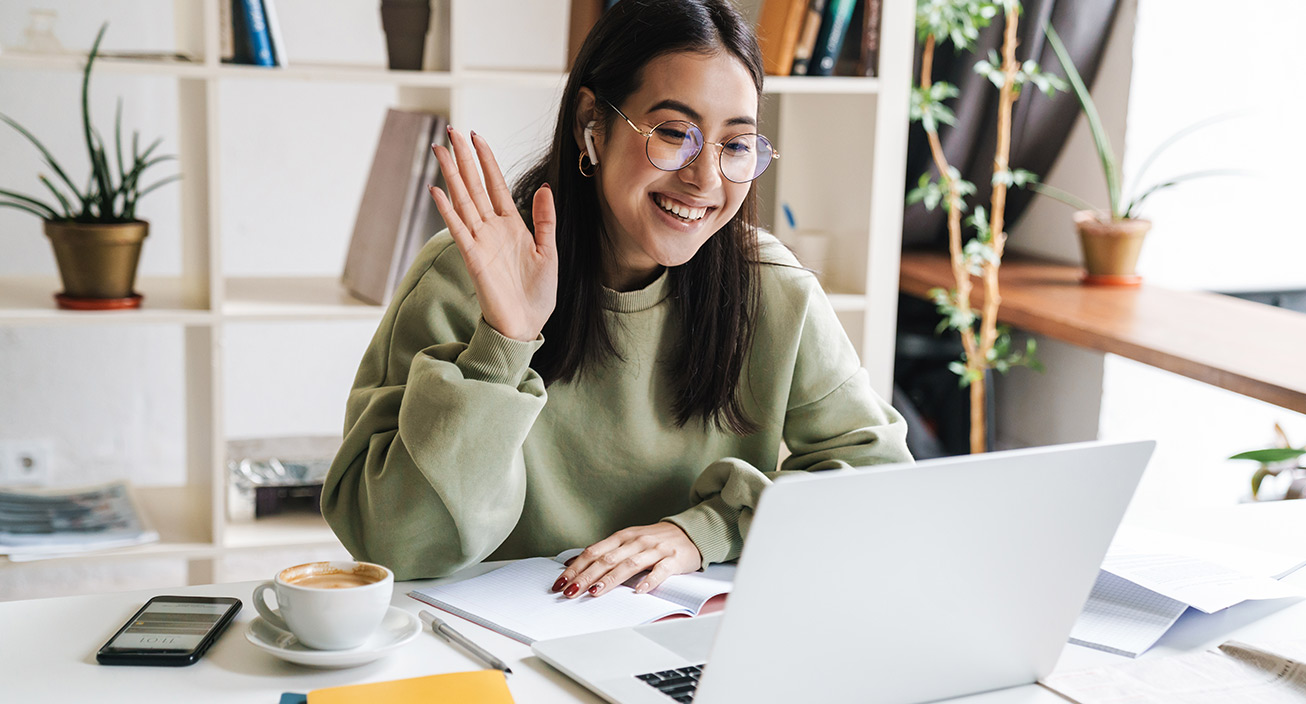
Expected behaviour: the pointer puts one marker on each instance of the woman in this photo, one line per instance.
(622, 374)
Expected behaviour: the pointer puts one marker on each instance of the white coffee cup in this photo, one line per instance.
(328, 605)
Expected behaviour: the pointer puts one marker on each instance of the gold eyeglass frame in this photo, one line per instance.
(721, 146)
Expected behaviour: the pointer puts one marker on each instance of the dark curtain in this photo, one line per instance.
(1039, 125)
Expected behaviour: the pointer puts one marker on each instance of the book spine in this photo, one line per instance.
(260, 42)
(241, 53)
(226, 40)
(830, 40)
(274, 34)
(807, 40)
(777, 34)
(869, 63)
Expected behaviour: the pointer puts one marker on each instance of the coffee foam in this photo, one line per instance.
(332, 575)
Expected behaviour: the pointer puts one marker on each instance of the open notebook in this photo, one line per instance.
(516, 600)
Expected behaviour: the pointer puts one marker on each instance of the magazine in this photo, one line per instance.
(53, 522)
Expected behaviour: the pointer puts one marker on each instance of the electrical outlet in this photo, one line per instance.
(25, 462)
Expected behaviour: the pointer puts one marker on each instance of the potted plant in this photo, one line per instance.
(1283, 462)
(94, 231)
(1112, 238)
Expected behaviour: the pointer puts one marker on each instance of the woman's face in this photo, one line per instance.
(714, 92)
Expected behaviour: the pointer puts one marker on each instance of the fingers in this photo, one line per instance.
(455, 181)
(663, 549)
(500, 194)
(545, 215)
(457, 228)
(612, 569)
(471, 176)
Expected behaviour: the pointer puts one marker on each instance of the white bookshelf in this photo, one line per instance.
(842, 140)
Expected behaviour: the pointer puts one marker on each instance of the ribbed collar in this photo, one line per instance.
(642, 299)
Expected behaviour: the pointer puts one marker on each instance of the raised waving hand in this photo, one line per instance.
(515, 272)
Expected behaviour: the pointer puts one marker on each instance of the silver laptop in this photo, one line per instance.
(906, 583)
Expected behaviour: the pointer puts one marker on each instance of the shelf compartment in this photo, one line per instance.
(29, 300)
(294, 298)
(822, 85)
(291, 530)
(339, 73)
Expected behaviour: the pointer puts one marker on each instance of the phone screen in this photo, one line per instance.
(170, 625)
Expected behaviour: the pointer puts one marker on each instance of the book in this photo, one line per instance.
(241, 51)
(778, 26)
(274, 34)
(868, 62)
(396, 190)
(584, 15)
(52, 522)
(807, 38)
(481, 686)
(226, 38)
(829, 41)
(516, 600)
(425, 219)
(256, 29)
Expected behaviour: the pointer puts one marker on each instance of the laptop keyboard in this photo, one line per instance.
(678, 684)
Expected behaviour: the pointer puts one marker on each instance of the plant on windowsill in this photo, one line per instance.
(1282, 465)
(1112, 238)
(94, 231)
(986, 345)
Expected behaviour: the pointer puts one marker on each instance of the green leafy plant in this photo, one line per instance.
(111, 194)
(986, 345)
(1276, 461)
(1121, 206)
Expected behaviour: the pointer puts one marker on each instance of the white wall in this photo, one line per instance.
(1228, 233)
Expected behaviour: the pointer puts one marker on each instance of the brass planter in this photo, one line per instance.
(1111, 248)
(97, 260)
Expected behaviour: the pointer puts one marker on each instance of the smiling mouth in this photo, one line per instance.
(680, 210)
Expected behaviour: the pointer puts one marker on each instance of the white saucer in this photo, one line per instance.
(397, 628)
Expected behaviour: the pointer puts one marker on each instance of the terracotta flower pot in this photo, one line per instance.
(97, 262)
(1110, 248)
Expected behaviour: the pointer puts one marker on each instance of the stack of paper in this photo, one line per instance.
(1234, 673)
(1149, 579)
(50, 523)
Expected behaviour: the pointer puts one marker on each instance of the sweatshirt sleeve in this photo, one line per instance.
(832, 418)
(430, 477)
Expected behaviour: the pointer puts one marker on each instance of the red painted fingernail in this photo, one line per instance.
(473, 134)
(595, 589)
(546, 185)
(558, 585)
(571, 591)
(449, 129)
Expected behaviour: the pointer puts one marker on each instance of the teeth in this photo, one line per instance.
(679, 210)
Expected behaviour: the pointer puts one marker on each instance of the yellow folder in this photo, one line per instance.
(480, 687)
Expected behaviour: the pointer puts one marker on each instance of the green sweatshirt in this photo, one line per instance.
(455, 452)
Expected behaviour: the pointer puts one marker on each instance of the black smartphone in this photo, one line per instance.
(170, 631)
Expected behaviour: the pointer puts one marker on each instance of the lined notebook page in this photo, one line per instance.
(516, 600)
(1124, 618)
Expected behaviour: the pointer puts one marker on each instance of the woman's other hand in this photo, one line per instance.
(662, 548)
(515, 272)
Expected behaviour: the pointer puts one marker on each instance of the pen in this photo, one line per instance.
(445, 631)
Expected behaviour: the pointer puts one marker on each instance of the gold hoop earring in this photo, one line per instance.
(581, 165)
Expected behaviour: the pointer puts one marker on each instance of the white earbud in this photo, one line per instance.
(589, 143)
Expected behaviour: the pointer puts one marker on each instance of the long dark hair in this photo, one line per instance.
(714, 295)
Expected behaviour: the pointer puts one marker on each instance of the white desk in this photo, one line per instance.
(47, 646)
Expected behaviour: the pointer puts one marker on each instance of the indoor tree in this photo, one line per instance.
(985, 344)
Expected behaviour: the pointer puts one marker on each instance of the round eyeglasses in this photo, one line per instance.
(674, 144)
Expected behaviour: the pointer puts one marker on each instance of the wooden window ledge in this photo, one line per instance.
(1249, 348)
